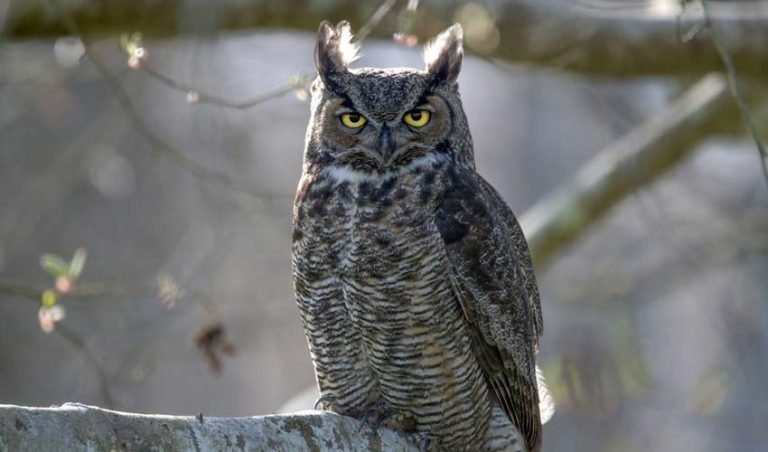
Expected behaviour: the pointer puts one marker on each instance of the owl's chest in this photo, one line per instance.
(379, 239)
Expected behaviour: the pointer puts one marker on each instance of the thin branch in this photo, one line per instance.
(19, 290)
(211, 350)
(166, 149)
(733, 82)
(71, 337)
(198, 96)
(375, 19)
(195, 95)
(85, 290)
(157, 143)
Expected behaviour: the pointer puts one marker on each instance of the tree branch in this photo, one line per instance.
(82, 427)
(599, 40)
(633, 161)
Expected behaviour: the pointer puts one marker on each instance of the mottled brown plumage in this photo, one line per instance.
(412, 276)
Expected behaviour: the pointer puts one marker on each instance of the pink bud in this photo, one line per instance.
(63, 284)
(47, 317)
(134, 62)
(406, 39)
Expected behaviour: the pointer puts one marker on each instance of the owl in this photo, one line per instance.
(412, 277)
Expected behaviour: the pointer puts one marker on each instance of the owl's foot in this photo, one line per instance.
(389, 419)
(396, 421)
(380, 417)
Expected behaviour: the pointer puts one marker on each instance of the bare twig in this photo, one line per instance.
(296, 82)
(19, 290)
(733, 82)
(166, 149)
(196, 95)
(71, 337)
(93, 290)
(158, 144)
(86, 290)
(375, 19)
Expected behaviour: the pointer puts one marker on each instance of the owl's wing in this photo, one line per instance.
(492, 276)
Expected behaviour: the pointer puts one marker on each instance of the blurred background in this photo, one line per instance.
(163, 139)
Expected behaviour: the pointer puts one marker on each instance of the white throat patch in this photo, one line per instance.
(341, 174)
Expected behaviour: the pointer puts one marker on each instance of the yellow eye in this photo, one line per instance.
(417, 118)
(353, 120)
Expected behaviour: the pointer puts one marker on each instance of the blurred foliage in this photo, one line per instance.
(597, 374)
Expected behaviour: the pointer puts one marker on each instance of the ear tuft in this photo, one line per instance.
(334, 50)
(444, 53)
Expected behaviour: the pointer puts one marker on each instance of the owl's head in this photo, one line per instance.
(385, 120)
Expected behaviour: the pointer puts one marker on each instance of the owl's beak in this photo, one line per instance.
(384, 143)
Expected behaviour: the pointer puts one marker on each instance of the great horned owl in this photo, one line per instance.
(413, 278)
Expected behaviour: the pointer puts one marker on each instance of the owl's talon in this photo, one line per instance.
(321, 400)
(364, 420)
(425, 443)
(382, 417)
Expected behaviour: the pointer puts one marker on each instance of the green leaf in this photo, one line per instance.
(54, 265)
(130, 43)
(77, 264)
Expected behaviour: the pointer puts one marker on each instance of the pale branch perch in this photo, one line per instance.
(628, 164)
(626, 41)
(75, 427)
